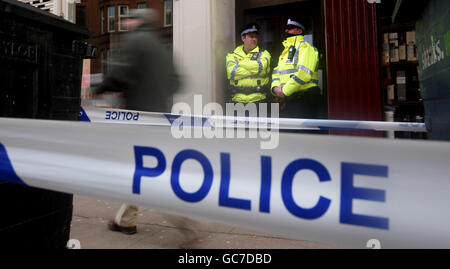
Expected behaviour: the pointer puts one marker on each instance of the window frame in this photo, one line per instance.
(71, 16)
(166, 13)
(139, 5)
(114, 19)
(121, 15)
(102, 20)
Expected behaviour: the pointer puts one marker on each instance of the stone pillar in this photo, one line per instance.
(203, 33)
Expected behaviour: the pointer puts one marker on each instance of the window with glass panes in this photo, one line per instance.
(111, 18)
(123, 11)
(168, 13)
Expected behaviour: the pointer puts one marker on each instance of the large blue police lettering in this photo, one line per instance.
(175, 176)
(141, 171)
(349, 192)
(129, 114)
(266, 184)
(286, 189)
(224, 199)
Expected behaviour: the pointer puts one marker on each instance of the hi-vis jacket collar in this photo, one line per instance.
(241, 52)
(292, 40)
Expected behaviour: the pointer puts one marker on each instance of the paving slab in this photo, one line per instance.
(157, 230)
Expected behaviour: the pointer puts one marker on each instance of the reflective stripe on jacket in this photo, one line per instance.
(299, 73)
(248, 74)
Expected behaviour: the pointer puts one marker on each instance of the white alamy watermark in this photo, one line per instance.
(240, 121)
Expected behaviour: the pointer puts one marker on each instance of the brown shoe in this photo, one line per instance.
(113, 226)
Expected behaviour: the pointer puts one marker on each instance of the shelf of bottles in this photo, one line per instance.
(400, 77)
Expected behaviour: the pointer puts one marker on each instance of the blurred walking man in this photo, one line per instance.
(144, 72)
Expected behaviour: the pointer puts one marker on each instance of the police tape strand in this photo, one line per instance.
(341, 191)
(106, 115)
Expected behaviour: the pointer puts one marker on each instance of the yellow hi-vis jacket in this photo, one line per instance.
(248, 74)
(299, 73)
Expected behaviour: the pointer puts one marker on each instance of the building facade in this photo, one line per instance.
(62, 8)
(103, 19)
(347, 33)
(355, 83)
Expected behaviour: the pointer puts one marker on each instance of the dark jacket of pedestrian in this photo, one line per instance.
(143, 71)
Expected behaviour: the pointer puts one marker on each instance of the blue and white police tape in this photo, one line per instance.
(337, 190)
(106, 115)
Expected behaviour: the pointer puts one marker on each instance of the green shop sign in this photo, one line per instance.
(433, 43)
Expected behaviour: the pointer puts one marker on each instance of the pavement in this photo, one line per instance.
(157, 230)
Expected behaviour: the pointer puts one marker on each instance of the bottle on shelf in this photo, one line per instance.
(389, 117)
(411, 46)
(386, 54)
(401, 85)
(390, 93)
(402, 48)
(393, 48)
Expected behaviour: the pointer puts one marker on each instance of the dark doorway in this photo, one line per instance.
(272, 19)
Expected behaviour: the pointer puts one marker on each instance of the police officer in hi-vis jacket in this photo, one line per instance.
(295, 79)
(248, 69)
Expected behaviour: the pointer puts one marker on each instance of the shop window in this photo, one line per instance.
(400, 71)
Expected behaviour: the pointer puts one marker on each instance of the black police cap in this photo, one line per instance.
(250, 28)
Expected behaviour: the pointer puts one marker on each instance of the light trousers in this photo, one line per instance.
(127, 216)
